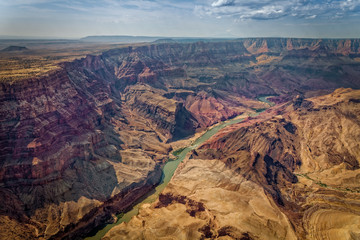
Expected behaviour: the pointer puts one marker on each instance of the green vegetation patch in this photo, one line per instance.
(177, 152)
(321, 184)
(259, 109)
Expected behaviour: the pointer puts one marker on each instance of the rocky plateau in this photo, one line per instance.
(83, 142)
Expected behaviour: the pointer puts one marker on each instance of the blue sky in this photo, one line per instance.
(188, 18)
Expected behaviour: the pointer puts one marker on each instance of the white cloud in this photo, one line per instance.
(267, 9)
(222, 3)
(311, 17)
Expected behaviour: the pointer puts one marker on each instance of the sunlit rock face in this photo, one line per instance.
(85, 141)
(291, 173)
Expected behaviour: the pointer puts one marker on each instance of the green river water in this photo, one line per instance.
(168, 171)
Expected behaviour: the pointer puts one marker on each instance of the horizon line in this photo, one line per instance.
(14, 37)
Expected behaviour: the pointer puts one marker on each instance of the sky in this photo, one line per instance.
(188, 18)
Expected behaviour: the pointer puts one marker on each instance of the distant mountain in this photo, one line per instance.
(138, 39)
(165, 40)
(120, 39)
(14, 48)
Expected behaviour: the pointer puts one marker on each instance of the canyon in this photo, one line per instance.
(289, 175)
(81, 143)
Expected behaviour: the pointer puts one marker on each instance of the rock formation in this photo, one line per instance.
(291, 174)
(83, 142)
(14, 49)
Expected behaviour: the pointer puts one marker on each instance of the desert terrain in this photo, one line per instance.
(86, 129)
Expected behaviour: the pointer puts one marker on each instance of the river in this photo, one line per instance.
(168, 171)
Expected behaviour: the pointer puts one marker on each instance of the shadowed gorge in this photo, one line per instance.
(81, 143)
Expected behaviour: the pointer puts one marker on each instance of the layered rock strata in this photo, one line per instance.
(291, 174)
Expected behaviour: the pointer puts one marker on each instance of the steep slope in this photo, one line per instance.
(73, 151)
(291, 174)
(63, 157)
